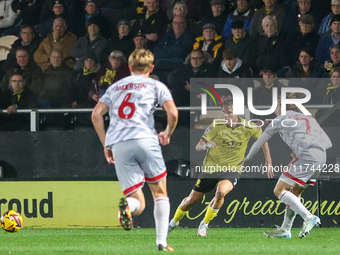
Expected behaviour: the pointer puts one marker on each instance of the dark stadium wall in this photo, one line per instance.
(72, 155)
(251, 204)
(79, 156)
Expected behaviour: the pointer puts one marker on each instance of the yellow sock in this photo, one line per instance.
(179, 214)
(210, 214)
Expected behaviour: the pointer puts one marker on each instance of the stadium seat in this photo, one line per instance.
(6, 45)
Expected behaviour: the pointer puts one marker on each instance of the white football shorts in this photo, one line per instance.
(137, 161)
(304, 170)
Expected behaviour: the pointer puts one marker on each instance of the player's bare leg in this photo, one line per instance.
(133, 204)
(223, 188)
(161, 213)
(185, 206)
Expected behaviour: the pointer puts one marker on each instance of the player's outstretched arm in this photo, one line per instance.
(172, 114)
(268, 160)
(202, 145)
(98, 122)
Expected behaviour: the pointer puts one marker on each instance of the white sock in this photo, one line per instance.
(295, 204)
(133, 203)
(288, 219)
(161, 213)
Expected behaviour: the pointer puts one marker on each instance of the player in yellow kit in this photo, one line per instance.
(225, 141)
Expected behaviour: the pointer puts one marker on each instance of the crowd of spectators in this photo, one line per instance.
(68, 52)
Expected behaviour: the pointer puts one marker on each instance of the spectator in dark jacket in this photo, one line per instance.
(270, 48)
(47, 9)
(308, 67)
(196, 66)
(93, 41)
(240, 40)
(14, 98)
(81, 81)
(28, 40)
(328, 39)
(217, 16)
(58, 11)
(92, 10)
(243, 12)
(295, 14)
(56, 90)
(306, 37)
(124, 40)
(185, 93)
(271, 7)
(325, 23)
(34, 79)
(152, 21)
(172, 49)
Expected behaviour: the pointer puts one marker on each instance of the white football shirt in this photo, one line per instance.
(300, 132)
(132, 102)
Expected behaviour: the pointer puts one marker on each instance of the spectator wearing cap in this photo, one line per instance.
(81, 80)
(325, 23)
(334, 51)
(271, 7)
(58, 10)
(170, 52)
(116, 69)
(210, 42)
(93, 41)
(56, 90)
(243, 12)
(262, 95)
(28, 40)
(60, 38)
(34, 78)
(217, 16)
(328, 39)
(47, 8)
(152, 21)
(140, 41)
(16, 96)
(295, 14)
(92, 10)
(306, 37)
(242, 42)
(124, 40)
(270, 48)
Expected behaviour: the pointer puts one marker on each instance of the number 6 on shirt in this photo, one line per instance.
(124, 104)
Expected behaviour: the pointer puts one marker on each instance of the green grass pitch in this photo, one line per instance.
(184, 241)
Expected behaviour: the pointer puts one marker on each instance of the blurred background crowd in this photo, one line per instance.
(66, 53)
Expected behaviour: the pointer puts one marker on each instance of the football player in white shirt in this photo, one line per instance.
(132, 144)
(309, 143)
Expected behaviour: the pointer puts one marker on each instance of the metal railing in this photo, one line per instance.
(34, 113)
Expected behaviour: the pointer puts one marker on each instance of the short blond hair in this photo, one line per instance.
(141, 61)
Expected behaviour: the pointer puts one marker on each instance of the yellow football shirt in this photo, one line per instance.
(231, 144)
